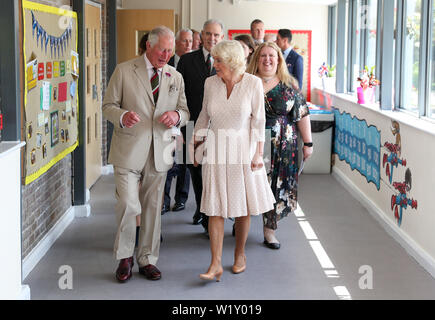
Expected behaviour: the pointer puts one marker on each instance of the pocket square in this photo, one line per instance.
(172, 88)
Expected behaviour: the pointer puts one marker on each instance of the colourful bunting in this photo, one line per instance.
(57, 44)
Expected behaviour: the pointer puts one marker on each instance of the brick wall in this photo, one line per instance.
(44, 201)
(47, 199)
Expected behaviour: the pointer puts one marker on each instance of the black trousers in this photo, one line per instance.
(196, 175)
(180, 172)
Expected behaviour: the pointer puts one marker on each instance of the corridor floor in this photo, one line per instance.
(332, 248)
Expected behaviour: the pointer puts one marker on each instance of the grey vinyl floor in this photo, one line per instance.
(333, 250)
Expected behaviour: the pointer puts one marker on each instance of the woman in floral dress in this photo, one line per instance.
(286, 112)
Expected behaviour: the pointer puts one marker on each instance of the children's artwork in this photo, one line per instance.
(56, 69)
(68, 106)
(72, 89)
(54, 116)
(401, 200)
(74, 63)
(41, 118)
(359, 145)
(392, 158)
(32, 74)
(41, 71)
(62, 68)
(49, 70)
(45, 95)
(47, 53)
(33, 156)
(38, 140)
(63, 88)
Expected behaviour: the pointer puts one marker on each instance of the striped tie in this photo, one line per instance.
(155, 85)
(208, 63)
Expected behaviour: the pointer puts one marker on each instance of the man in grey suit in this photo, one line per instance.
(145, 101)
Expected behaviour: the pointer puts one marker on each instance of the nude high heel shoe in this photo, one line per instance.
(237, 269)
(210, 276)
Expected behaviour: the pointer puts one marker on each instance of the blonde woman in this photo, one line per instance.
(286, 112)
(234, 179)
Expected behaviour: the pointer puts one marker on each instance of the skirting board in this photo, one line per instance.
(410, 246)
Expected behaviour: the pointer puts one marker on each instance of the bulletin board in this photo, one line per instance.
(51, 81)
(301, 41)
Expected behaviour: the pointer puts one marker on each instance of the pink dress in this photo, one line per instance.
(233, 128)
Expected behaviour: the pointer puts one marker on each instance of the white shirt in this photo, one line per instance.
(150, 69)
(176, 59)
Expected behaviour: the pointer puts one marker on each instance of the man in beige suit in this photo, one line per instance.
(145, 101)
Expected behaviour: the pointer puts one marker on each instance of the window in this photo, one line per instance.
(411, 55)
(431, 107)
(372, 12)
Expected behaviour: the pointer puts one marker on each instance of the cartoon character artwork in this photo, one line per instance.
(393, 159)
(401, 200)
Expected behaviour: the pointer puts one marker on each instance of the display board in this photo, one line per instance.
(301, 41)
(51, 80)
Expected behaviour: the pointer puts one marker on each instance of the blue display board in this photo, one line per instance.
(359, 145)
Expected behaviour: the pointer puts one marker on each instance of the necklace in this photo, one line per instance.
(267, 80)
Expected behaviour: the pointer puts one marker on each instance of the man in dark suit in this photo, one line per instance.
(195, 67)
(257, 31)
(183, 45)
(294, 61)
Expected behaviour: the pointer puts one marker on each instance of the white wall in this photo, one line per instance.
(10, 227)
(416, 232)
(276, 15)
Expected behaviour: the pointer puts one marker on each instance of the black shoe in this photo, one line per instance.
(165, 209)
(178, 206)
(197, 218)
(275, 245)
(204, 222)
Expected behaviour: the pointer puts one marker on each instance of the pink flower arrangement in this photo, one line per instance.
(167, 74)
(368, 79)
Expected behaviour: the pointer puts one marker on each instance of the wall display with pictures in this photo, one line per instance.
(50, 94)
(301, 41)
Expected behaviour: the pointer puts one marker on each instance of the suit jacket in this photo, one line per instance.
(295, 65)
(194, 70)
(130, 89)
(171, 61)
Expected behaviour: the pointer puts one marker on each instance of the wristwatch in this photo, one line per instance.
(308, 144)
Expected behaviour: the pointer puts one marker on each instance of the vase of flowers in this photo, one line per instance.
(327, 74)
(368, 83)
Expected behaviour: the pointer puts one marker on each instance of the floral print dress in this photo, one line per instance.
(284, 106)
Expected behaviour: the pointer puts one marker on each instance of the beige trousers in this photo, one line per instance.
(139, 192)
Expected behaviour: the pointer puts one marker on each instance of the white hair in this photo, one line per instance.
(213, 21)
(177, 37)
(232, 54)
(158, 32)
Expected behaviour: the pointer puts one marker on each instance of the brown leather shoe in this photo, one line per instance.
(124, 271)
(150, 272)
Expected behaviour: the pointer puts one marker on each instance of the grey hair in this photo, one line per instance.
(177, 37)
(213, 21)
(158, 32)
